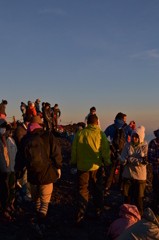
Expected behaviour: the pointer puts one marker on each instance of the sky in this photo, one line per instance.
(81, 54)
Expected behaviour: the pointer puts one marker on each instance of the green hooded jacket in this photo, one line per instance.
(90, 147)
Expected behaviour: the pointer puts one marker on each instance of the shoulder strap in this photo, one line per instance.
(115, 126)
(120, 127)
(124, 126)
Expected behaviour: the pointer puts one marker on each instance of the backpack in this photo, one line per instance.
(118, 139)
(35, 153)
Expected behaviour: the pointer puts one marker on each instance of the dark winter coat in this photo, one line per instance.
(20, 131)
(47, 118)
(41, 154)
(119, 123)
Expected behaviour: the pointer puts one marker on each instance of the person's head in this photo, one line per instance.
(135, 138)
(138, 135)
(33, 104)
(4, 102)
(27, 120)
(121, 116)
(8, 130)
(132, 124)
(125, 118)
(37, 100)
(92, 119)
(47, 105)
(3, 125)
(56, 106)
(29, 103)
(43, 104)
(92, 110)
(156, 133)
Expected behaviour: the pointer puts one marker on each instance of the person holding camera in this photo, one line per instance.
(134, 159)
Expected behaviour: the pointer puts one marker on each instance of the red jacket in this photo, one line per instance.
(32, 111)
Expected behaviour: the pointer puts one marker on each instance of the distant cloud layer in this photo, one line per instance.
(56, 11)
(154, 53)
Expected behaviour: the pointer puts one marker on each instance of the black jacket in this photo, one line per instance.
(20, 131)
(41, 154)
(47, 118)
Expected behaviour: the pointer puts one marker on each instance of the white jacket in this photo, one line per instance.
(12, 150)
(133, 157)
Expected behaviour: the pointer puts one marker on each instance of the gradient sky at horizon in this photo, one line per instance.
(81, 54)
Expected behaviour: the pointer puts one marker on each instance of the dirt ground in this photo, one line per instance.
(60, 220)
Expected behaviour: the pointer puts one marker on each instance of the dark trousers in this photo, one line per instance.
(55, 121)
(155, 184)
(3, 190)
(112, 172)
(11, 185)
(83, 178)
(134, 190)
(138, 201)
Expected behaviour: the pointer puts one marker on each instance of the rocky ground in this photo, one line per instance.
(60, 223)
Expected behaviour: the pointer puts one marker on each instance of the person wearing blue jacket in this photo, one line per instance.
(119, 122)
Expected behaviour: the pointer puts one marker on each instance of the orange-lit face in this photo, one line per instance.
(93, 112)
(135, 138)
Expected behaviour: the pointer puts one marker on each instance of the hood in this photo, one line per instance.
(130, 212)
(141, 133)
(156, 133)
(33, 126)
(119, 122)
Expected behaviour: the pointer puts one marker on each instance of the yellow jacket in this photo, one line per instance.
(90, 147)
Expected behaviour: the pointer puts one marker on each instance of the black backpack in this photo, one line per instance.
(118, 139)
(35, 153)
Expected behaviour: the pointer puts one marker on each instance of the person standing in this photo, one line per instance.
(56, 115)
(90, 147)
(134, 159)
(37, 106)
(153, 158)
(31, 110)
(23, 109)
(19, 133)
(47, 117)
(40, 152)
(12, 150)
(4, 164)
(132, 124)
(92, 112)
(3, 109)
(119, 123)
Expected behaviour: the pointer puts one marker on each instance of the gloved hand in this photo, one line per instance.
(144, 161)
(58, 173)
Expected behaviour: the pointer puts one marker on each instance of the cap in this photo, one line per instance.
(36, 119)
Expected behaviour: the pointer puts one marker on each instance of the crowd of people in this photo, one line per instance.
(31, 154)
(50, 115)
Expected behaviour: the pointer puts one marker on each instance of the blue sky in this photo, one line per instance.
(81, 54)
